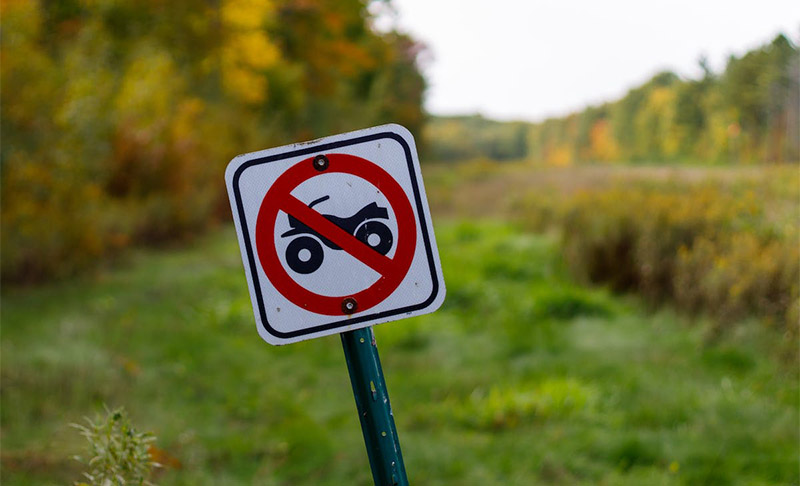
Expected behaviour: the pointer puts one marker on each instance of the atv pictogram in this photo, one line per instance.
(363, 225)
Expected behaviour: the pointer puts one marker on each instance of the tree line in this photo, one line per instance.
(748, 113)
(118, 118)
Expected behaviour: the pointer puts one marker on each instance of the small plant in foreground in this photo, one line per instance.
(118, 453)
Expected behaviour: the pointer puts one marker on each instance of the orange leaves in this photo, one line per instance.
(163, 458)
(561, 156)
(603, 145)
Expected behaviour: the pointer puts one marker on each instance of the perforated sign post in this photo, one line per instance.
(336, 236)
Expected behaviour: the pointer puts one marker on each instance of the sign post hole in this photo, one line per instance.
(336, 236)
(374, 409)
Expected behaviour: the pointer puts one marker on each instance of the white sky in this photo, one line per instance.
(518, 59)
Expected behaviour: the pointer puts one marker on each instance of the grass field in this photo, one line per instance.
(521, 378)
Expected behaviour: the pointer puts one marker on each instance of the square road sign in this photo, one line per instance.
(335, 234)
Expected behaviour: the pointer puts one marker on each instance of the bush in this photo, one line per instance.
(118, 119)
(706, 249)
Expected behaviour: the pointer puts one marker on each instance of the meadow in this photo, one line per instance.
(606, 323)
(527, 374)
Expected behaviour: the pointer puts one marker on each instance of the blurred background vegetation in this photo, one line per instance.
(749, 113)
(118, 117)
(623, 282)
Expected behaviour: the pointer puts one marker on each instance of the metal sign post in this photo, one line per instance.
(336, 236)
(374, 410)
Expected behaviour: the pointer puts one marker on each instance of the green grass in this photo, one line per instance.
(521, 378)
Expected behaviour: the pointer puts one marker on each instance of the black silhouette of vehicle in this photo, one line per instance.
(364, 225)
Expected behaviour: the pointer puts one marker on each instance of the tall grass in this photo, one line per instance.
(727, 250)
(722, 242)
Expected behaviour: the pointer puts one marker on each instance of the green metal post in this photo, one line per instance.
(374, 410)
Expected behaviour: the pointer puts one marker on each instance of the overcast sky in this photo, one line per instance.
(517, 59)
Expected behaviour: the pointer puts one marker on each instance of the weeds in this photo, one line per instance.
(118, 454)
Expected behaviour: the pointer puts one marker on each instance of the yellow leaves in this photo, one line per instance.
(243, 58)
(184, 126)
(245, 14)
(22, 19)
(661, 98)
(253, 50)
(27, 74)
(247, 50)
(85, 97)
(560, 156)
(148, 88)
(655, 130)
(245, 85)
(709, 249)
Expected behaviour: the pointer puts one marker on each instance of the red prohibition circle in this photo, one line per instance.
(279, 198)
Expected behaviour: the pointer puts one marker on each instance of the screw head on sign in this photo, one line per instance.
(321, 162)
(349, 305)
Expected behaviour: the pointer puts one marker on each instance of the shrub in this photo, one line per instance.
(707, 249)
(118, 454)
(118, 120)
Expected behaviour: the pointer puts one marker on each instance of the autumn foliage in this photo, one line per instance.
(119, 117)
(727, 251)
(747, 113)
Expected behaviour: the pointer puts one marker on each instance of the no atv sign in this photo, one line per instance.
(335, 234)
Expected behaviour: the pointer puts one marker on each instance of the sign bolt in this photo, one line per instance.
(349, 305)
(321, 162)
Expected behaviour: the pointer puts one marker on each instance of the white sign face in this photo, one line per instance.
(335, 234)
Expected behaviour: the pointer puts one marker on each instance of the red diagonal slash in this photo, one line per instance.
(347, 242)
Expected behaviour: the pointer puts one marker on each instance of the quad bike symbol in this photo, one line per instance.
(363, 225)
